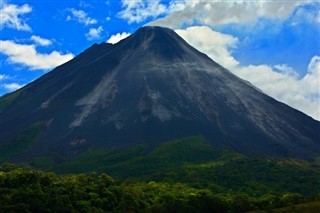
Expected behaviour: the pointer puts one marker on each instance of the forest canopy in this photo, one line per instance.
(29, 190)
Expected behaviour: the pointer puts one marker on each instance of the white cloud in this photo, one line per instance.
(12, 86)
(117, 37)
(94, 33)
(27, 55)
(216, 45)
(308, 14)
(224, 12)
(302, 94)
(280, 81)
(3, 77)
(41, 41)
(81, 16)
(10, 16)
(139, 10)
(313, 77)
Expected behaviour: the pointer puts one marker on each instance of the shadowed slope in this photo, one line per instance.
(147, 89)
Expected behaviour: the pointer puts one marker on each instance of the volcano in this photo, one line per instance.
(147, 89)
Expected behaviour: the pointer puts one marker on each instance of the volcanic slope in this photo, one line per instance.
(147, 89)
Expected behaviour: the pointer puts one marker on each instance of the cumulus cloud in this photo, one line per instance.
(27, 55)
(307, 13)
(214, 13)
(94, 33)
(300, 93)
(41, 41)
(117, 37)
(11, 16)
(12, 86)
(139, 10)
(216, 45)
(313, 77)
(279, 81)
(81, 17)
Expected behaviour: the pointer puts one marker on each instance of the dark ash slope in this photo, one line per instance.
(150, 88)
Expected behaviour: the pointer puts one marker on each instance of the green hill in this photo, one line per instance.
(199, 164)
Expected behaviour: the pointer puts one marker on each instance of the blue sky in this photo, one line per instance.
(273, 44)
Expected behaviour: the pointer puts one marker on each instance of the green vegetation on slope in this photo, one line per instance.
(253, 176)
(27, 190)
(187, 175)
(100, 160)
(309, 207)
(137, 161)
(21, 142)
(198, 164)
(8, 99)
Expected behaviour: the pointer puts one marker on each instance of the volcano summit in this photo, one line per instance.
(147, 89)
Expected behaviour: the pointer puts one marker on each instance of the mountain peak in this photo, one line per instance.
(149, 88)
(158, 42)
(149, 32)
(153, 29)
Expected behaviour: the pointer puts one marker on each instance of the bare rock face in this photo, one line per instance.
(150, 88)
